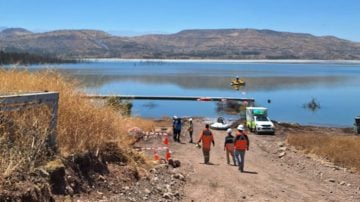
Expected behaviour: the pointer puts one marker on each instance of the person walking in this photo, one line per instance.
(191, 130)
(206, 137)
(229, 146)
(174, 127)
(178, 129)
(241, 144)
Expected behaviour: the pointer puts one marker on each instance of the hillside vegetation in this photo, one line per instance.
(187, 44)
(26, 58)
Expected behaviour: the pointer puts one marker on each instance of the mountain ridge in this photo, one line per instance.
(185, 44)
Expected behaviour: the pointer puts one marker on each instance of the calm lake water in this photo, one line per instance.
(288, 86)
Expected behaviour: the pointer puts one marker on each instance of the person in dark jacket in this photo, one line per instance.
(174, 127)
(229, 146)
(177, 129)
(241, 144)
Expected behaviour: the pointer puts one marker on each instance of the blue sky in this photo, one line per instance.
(319, 17)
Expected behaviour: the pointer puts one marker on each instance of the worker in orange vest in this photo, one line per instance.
(241, 144)
(229, 146)
(206, 137)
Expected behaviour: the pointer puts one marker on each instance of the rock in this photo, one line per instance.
(131, 199)
(179, 176)
(159, 189)
(342, 183)
(280, 144)
(162, 166)
(331, 180)
(101, 177)
(155, 179)
(126, 188)
(282, 149)
(69, 190)
(167, 195)
(348, 185)
(168, 188)
(145, 198)
(174, 163)
(147, 191)
(282, 154)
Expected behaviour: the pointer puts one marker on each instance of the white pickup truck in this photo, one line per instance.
(257, 120)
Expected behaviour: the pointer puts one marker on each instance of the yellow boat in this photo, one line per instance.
(237, 82)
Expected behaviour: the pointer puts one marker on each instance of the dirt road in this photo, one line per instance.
(295, 177)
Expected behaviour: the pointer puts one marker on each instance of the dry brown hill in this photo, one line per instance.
(212, 43)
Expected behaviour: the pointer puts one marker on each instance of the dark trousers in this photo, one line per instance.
(191, 134)
(177, 135)
(174, 134)
(206, 153)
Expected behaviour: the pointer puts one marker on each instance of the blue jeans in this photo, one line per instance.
(240, 158)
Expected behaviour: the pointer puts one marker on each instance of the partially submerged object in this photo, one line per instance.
(220, 124)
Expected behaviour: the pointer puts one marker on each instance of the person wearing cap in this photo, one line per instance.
(241, 144)
(191, 130)
(229, 146)
(206, 137)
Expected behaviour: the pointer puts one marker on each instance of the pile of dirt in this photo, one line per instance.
(106, 174)
(161, 183)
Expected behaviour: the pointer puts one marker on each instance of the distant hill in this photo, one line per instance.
(198, 44)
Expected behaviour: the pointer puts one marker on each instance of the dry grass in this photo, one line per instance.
(81, 126)
(19, 151)
(342, 150)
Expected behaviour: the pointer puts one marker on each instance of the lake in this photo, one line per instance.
(289, 86)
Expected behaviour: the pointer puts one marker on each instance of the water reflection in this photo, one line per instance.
(283, 88)
(215, 82)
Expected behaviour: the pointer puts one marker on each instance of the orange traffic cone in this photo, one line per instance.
(166, 140)
(168, 155)
(156, 155)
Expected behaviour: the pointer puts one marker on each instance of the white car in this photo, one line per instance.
(263, 125)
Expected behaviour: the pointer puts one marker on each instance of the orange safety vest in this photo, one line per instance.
(229, 147)
(240, 142)
(206, 137)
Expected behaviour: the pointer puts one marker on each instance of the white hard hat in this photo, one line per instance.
(240, 127)
(229, 130)
(190, 119)
(175, 117)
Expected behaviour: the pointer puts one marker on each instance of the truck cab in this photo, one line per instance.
(257, 120)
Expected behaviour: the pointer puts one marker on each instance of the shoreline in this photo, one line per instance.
(223, 61)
